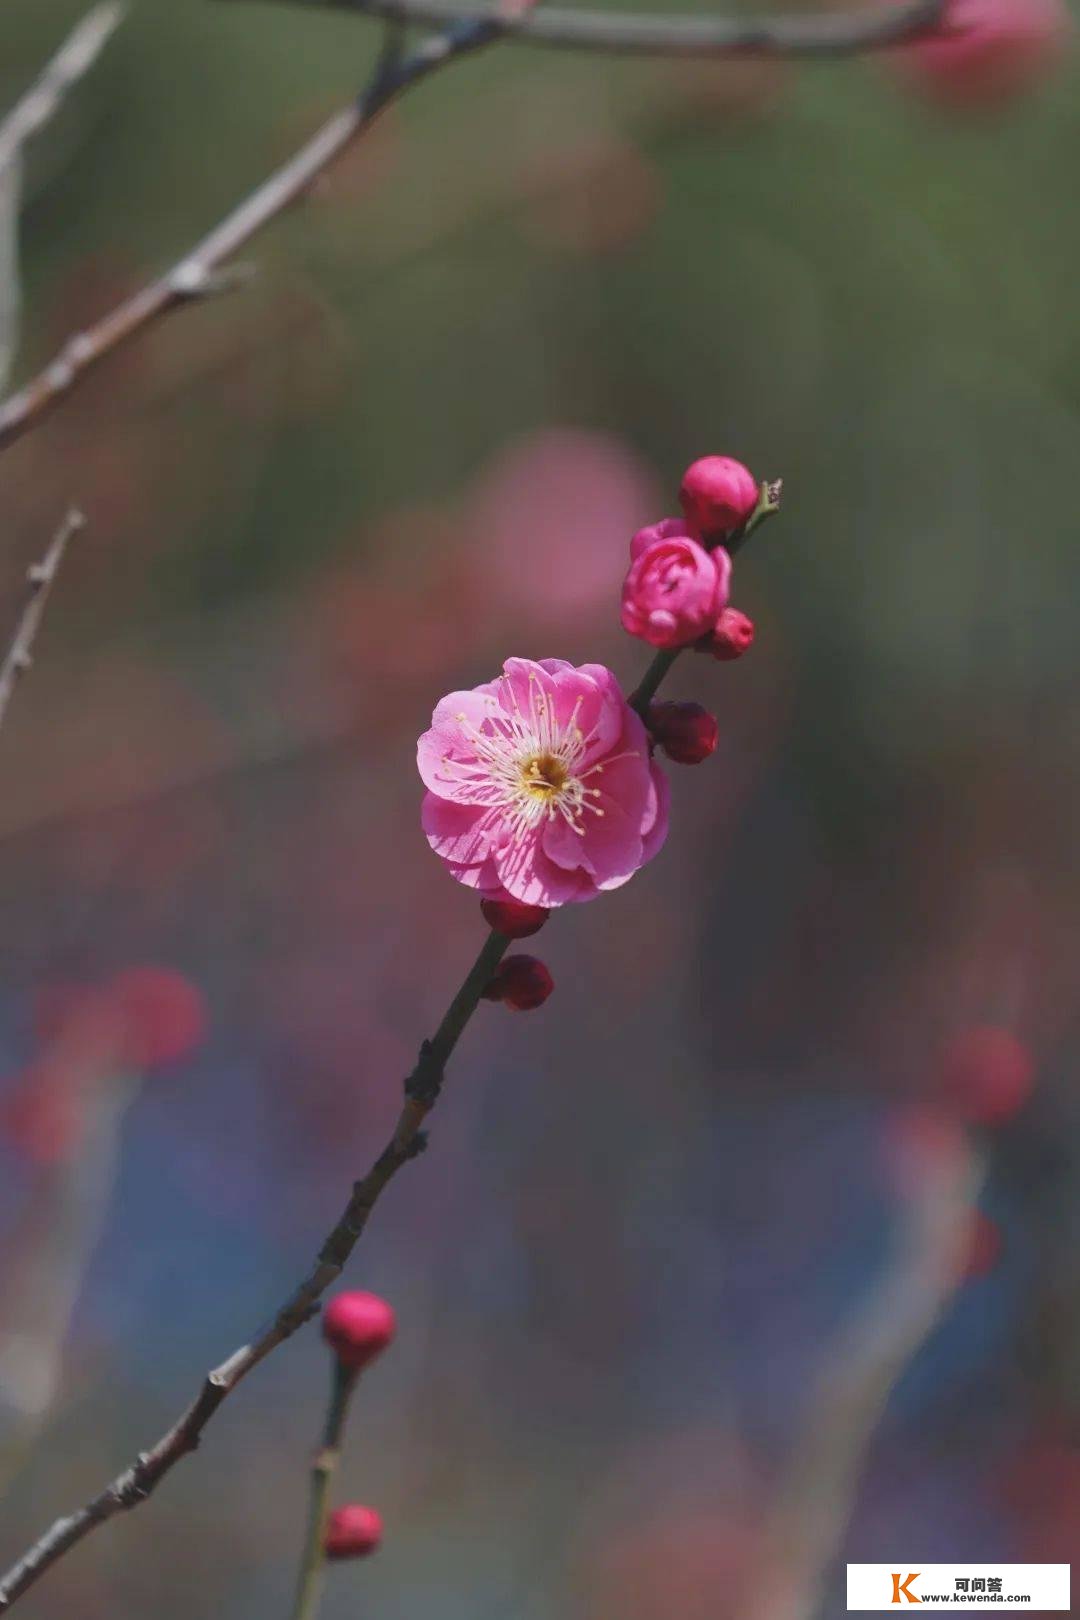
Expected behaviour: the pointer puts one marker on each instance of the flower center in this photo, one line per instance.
(544, 776)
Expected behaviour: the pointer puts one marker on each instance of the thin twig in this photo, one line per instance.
(839, 33)
(40, 579)
(74, 58)
(323, 1469)
(200, 272)
(136, 1482)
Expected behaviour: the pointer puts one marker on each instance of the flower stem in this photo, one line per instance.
(649, 684)
(424, 1083)
(312, 1563)
(465, 1003)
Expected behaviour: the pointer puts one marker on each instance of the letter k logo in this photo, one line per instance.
(899, 1586)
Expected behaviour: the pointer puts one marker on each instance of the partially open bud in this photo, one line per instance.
(513, 917)
(358, 1327)
(685, 731)
(520, 982)
(732, 635)
(717, 494)
(353, 1531)
(673, 591)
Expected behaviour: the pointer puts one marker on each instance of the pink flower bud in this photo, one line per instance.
(358, 1327)
(674, 591)
(513, 917)
(520, 982)
(353, 1531)
(685, 731)
(666, 529)
(732, 635)
(985, 52)
(717, 494)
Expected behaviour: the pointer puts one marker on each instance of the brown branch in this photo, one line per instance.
(840, 33)
(200, 272)
(40, 579)
(74, 58)
(137, 1481)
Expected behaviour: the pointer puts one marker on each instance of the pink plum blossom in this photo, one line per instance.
(674, 591)
(540, 784)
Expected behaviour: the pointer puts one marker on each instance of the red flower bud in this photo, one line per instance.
(353, 1531)
(358, 1327)
(513, 917)
(162, 1015)
(987, 1074)
(717, 494)
(685, 731)
(732, 635)
(520, 982)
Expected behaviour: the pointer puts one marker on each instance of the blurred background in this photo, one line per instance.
(468, 368)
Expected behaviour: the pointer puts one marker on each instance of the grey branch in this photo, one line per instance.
(200, 272)
(40, 581)
(206, 270)
(74, 58)
(841, 33)
(858, 1374)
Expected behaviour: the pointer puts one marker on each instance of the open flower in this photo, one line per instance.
(540, 784)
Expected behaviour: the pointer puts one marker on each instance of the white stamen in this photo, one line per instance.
(526, 765)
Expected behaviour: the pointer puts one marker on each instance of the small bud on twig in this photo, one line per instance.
(521, 983)
(732, 635)
(354, 1531)
(514, 918)
(718, 495)
(686, 732)
(358, 1327)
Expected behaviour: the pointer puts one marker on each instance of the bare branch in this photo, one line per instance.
(839, 33)
(137, 1481)
(40, 580)
(200, 272)
(74, 58)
